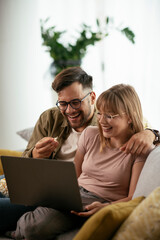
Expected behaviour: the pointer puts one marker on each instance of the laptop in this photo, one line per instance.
(42, 182)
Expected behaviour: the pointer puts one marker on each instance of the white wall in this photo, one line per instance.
(24, 81)
(24, 91)
(139, 64)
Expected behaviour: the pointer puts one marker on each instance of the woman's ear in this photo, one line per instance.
(93, 97)
(129, 121)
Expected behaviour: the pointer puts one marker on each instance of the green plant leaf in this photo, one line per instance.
(97, 21)
(107, 20)
(129, 34)
(76, 51)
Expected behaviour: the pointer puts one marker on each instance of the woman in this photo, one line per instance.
(105, 174)
(102, 168)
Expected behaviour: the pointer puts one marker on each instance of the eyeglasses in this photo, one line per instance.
(75, 103)
(106, 116)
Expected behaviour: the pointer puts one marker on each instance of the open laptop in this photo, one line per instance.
(42, 182)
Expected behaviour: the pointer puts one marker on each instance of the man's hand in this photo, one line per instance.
(44, 147)
(139, 143)
(90, 209)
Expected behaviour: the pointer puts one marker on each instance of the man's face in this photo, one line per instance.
(77, 118)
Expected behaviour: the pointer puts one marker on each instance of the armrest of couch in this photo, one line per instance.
(149, 178)
(7, 152)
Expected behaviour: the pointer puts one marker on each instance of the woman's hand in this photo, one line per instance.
(90, 209)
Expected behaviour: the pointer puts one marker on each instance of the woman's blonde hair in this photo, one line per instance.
(119, 99)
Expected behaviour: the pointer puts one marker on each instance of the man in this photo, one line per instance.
(75, 111)
(57, 131)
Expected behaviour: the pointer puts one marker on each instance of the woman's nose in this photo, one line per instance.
(103, 119)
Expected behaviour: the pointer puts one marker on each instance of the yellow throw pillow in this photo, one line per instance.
(144, 221)
(6, 152)
(103, 224)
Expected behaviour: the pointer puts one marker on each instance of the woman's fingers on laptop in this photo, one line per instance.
(89, 209)
(82, 214)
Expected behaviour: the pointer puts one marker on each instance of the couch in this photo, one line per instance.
(138, 219)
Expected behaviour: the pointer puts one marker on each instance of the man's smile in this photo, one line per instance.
(73, 116)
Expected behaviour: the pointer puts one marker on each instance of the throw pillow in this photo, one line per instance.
(6, 152)
(144, 221)
(25, 133)
(149, 178)
(103, 224)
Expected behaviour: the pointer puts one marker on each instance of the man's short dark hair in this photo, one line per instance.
(70, 75)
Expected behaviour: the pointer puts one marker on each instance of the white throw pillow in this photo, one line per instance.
(25, 133)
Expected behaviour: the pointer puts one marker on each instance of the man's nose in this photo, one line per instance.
(69, 109)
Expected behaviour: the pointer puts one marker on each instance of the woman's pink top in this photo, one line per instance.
(106, 173)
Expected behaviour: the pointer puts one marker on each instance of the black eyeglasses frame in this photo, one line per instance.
(70, 102)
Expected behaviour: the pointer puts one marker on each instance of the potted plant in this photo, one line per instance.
(72, 54)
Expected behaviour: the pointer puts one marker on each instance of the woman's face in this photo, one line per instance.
(114, 125)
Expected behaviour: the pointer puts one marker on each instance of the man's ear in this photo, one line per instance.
(93, 97)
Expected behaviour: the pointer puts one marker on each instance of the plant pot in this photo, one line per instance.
(58, 65)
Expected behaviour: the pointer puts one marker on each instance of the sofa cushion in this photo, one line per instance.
(144, 221)
(150, 176)
(6, 152)
(103, 224)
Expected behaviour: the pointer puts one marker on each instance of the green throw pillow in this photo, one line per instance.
(103, 224)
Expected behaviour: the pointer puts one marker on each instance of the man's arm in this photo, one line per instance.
(156, 134)
(42, 143)
(140, 143)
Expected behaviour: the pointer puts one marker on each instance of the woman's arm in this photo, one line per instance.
(78, 160)
(136, 170)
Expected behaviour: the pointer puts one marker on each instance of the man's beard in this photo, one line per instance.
(83, 121)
